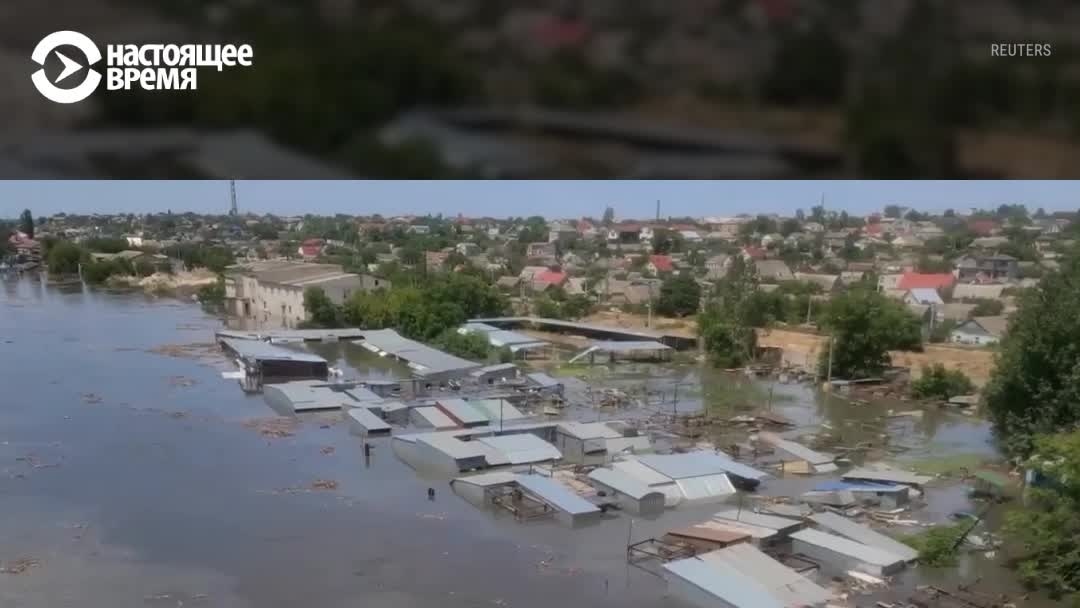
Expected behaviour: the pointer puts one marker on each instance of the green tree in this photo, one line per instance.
(985, 307)
(937, 382)
(468, 345)
(932, 265)
(1035, 388)
(213, 294)
(724, 324)
(865, 325)
(26, 223)
(321, 311)
(64, 258)
(892, 211)
(680, 295)
(1046, 529)
(609, 216)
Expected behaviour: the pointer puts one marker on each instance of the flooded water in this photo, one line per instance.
(131, 475)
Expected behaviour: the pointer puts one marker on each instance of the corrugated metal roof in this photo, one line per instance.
(857, 486)
(497, 409)
(751, 530)
(490, 479)
(792, 588)
(556, 494)
(648, 476)
(434, 417)
(363, 395)
(622, 483)
(707, 488)
(306, 395)
(888, 475)
(629, 346)
(543, 380)
(369, 421)
(589, 430)
(463, 411)
(796, 449)
(724, 582)
(697, 464)
(772, 522)
(716, 535)
(522, 448)
(863, 534)
(491, 369)
(846, 546)
(452, 446)
(257, 350)
(423, 359)
(632, 445)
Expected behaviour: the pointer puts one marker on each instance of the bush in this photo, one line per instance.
(212, 294)
(64, 258)
(468, 345)
(936, 546)
(936, 382)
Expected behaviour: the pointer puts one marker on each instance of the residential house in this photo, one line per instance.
(716, 267)
(690, 236)
(540, 250)
(561, 231)
(835, 240)
(990, 242)
(984, 227)
(957, 311)
(751, 253)
(773, 271)
(547, 279)
(575, 286)
(625, 293)
(725, 228)
(468, 249)
(908, 242)
(418, 229)
(924, 296)
(625, 233)
(659, 264)
(927, 231)
(311, 248)
(434, 260)
(508, 282)
(586, 229)
(975, 291)
(998, 267)
(916, 280)
(980, 331)
(813, 227)
(272, 292)
(771, 240)
(829, 283)
(851, 277)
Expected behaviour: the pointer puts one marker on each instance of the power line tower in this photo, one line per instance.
(232, 195)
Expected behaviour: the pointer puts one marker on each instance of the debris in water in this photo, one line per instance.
(177, 415)
(18, 566)
(324, 484)
(273, 427)
(91, 398)
(196, 350)
(327, 450)
(181, 381)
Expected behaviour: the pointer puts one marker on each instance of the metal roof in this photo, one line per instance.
(503, 337)
(834, 485)
(306, 395)
(772, 522)
(490, 369)
(423, 359)
(716, 535)
(556, 494)
(368, 420)
(462, 410)
(588, 430)
(544, 380)
(706, 488)
(257, 350)
(696, 464)
(362, 395)
(622, 483)
(572, 325)
(522, 448)
(792, 588)
(487, 480)
(629, 346)
(888, 475)
(434, 417)
(846, 546)
(642, 473)
(497, 409)
(722, 581)
(452, 446)
(796, 449)
(864, 534)
(751, 530)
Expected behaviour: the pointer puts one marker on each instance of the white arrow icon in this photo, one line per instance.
(70, 67)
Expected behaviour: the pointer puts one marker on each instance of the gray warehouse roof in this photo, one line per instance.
(722, 581)
(864, 534)
(257, 350)
(522, 448)
(556, 494)
(697, 464)
(622, 483)
(423, 359)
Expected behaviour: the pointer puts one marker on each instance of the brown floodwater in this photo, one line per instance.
(133, 475)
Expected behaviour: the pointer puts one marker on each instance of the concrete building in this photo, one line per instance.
(272, 292)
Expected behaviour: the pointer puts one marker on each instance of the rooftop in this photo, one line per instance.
(423, 359)
(257, 350)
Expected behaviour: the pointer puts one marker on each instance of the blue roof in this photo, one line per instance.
(857, 486)
(722, 581)
(697, 464)
(556, 494)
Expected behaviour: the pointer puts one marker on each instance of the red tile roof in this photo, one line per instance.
(662, 263)
(983, 227)
(550, 277)
(754, 253)
(916, 280)
(873, 229)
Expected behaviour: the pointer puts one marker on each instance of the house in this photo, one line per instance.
(625, 233)
(311, 248)
(773, 271)
(468, 249)
(829, 283)
(435, 259)
(813, 227)
(974, 291)
(908, 242)
(418, 229)
(984, 227)
(984, 268)
(725, 228)
(980, 331)
(586, 229)
(575, 286)
(508, 282)
(927, 231)
(272, 292)
(660, 264)
(548, 278)
(835, 240)
(990, 242)
(915, 280)
(923, 296)
(690, 236)
(561, 231)
(716, 267)
(957, 311)
(540, 250)
(752, 253)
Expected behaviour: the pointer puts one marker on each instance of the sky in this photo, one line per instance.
(552, 199)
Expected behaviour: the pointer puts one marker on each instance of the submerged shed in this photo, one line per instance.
(462, 413)
(365, 423)
(631, 495)
(702, 463)
(888, 476)
(838, 555)
(522, 448)
(710, 585)
(570, 508)
(431, 417)
(783, 526)
(706, 538)
(857, 532)
(790, 587)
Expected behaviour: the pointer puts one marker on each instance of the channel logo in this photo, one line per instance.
(48, 46)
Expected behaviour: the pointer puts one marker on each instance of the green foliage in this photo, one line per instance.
(1035, 388)
(320, 309)
(937, 546)
(933, 265)
(467, 345)
(26, 223)
(680, 295)
(943, 330)
(107, 245)
(865, 326)
(985, 307)
(64, 258)
(937, 382)
(99, 271)
(725, 324)
(555, 304)
(212, 295)
(214, 258)
(1046, 529)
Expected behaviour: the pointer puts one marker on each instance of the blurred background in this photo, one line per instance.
(414, 89)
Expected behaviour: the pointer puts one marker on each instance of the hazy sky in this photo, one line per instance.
(631, 199)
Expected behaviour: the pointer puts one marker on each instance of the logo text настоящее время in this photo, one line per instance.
(151, 67)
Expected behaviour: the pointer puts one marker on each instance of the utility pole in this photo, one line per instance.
(832, 342)
(658, 210)
(232, 196)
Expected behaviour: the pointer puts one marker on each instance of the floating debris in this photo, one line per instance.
(182, 381)
(327, 450)
(91, 398)
(195, 350)
(18, 566)
(324, 484)
(273, 427)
